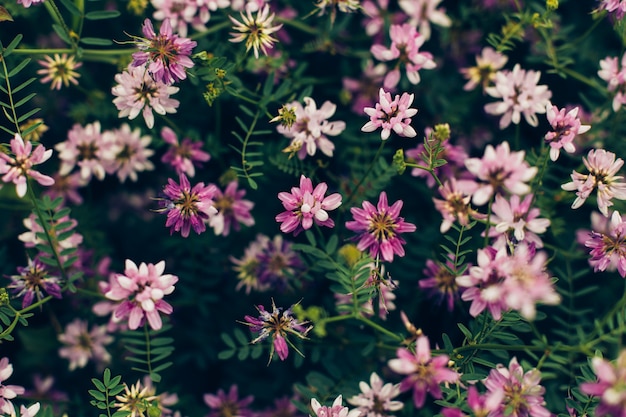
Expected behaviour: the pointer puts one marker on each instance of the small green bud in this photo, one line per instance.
(441, 132)
(212, 93)
(552, 4)
(398, 161)
(4, 297)
(154, 410)
(220, 73)
(286, 116)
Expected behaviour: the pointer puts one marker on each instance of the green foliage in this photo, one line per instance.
(148, 349)
(239, 346)
(105, 392)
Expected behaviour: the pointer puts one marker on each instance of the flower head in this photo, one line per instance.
(59, 71)
(520, 95)
(89, 149)
(515, 221)
(455, 205)
(7, 392)
(305, 205)
(376, 399)
(424, 373)
(602, 166)
(391, 115)
(278, 324)
(136, 92)
(312, 128)
(183, 156)
(378, 228)
(565, 128)
(130, 151)
(17, 168)
(165, 56)
(440, 283)
(610, 386)
(137, 400)
(33, 281)
(608, 247)
(80, 344)
(487, 64)
(335, 410)
(228, 405)
(187, 207)
(422, 12)
(232, 210)
(256, 30)
(140, 291)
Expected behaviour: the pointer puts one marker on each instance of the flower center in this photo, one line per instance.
(382, 226)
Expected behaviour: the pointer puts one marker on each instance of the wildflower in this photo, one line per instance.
(520, 95)
(60, 70)
(278, 324)
(440, 282)
(382, 286)
(232, 210)
(485, 283)
(131, 152)
(286, 116)
(617, 7)
(61, 227)
(455, 205)
(187, 207)
(185, 156)
(608, 248)
(16, 169)
(66, 186)
(37, 128)
(28, 3)
(379, 227)
(499, 171)
(141, 291)
(305, 205)
(375, 14)
(602, 166)
(566, 126)
(613, 73)
(33, 280)
(391, 115)
(81, 345)
(609, 386)
(247, 267)
(136, 92)
(423, 372)
(335, 410)
(516, 216)
(7, 392)
(376, 399)
(87, 148)
(311, 128)
(363, 92)
(405, 45)
(422, 12)
(517, 392)
(256, 30)
(228, 405)
(136, 400)
(488, 63)
(165, 56)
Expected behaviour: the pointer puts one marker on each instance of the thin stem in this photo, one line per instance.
(215, 28)
(296, 24)
(380, 328)
(56, 15)
(148, 353)
(10, 94)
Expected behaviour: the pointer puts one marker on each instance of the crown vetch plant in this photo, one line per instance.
(466, 260)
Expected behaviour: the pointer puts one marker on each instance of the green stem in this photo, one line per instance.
(56, 15)
(213, 29)
(296, 24)
(586, 80)
(380, 328)
(10, 94)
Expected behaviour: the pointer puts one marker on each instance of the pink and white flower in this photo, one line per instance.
(89, 149)
(306, 205)
(7, 392)
(377, 398)
(232, 210)
(423, 12)
(81, 345)
(608, 247)
(517, 218)
(391, 114)
(335, 410)
(488, 63)
(610, 386)
(603, 167)
(565, 128)
(18, 167)
(129, 153)
(140, 290)
(183, 156)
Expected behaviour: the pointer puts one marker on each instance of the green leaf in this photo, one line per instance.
(155, 377)
(24, 85)
(331, 246)
(102, 14)
(12, 45)
(114, 391)
(243, 353)
(241, 337)
(106, 377)
(162, 367)
(96, 41)
(226, 354)
(98, 384)
(114, 382)
(24, 100)
(97, 395)
(228, 340)
(59, 31)
(252, 183)
(27, 116)
(310, 237)
(71, 7)
(465, 331)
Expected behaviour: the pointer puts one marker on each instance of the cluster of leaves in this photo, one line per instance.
(105, 392)
(147, 349)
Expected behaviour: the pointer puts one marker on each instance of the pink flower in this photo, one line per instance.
(187, 207)
(566, 126)
(141, 291)
(60, 70)
(517, 392)
(609, 387)
(440, 283)
(614, 74)
(455, 205)
(499, 171)
(423, 373)
(422, 12)
(278, 324)
(130, 152)
(66, 186)
(364, 91)
(33, 280)
(256, 29)
(232, 210)
(60, 227)
(378, 228)
(305, 206)
(137, 92)
(183, 157)
(165, 56)
(617, 7)
(229, 404)
(16, 169)
(28, 3)
(7, 392)
(87, 148)
(517, 217)
(81, 345)
(484, 73)
(391, 115)
(405, 45)
(376, 399)
(602, 167)
(520, 95)
(310, 130)
(335, 410)
(608, 248)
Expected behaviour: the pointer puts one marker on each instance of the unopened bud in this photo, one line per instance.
(398, 161)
